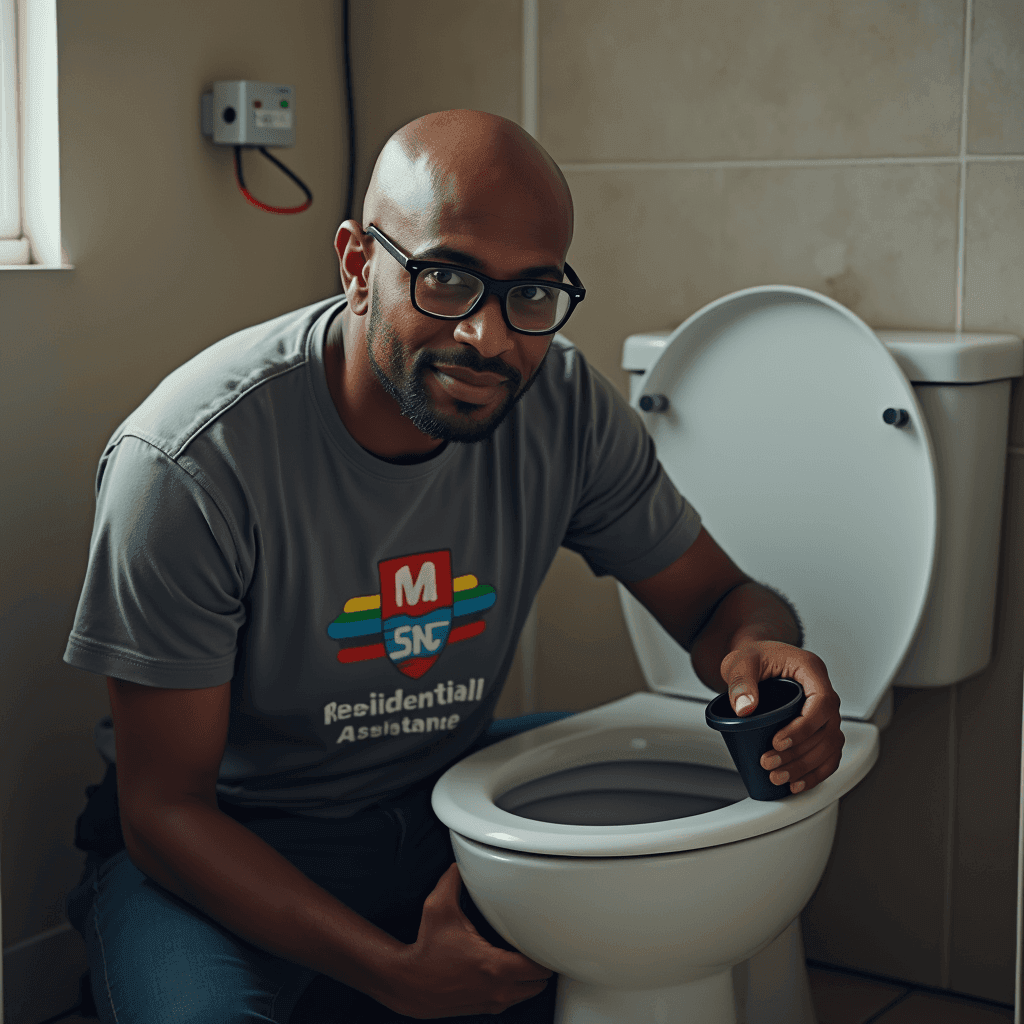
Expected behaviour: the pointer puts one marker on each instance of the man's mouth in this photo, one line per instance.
(472, 386)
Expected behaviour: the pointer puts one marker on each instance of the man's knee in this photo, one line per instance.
(155, 960)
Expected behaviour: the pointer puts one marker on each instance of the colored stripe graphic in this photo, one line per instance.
(354, 654)
(345, 630)
(351, 654)
(471, 629)
(410, 620)
(362, 614)
(371, 602)
(476, 604)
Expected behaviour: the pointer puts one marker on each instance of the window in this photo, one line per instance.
(29, 141)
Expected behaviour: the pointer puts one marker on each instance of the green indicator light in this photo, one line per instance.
(284, 103)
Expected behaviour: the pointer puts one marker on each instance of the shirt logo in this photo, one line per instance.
(413, 614)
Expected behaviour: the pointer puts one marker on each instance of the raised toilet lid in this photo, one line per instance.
(775, 432)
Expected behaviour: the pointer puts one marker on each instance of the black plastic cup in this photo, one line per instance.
(749, 738)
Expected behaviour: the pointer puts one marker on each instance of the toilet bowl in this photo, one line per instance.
(618, 847)
(649, 913)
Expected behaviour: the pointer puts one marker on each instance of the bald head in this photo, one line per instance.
(469, 171)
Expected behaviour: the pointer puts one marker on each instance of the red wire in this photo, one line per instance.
(273, 209)
(263, 206)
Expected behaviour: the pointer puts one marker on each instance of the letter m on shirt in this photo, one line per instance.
(425, 587)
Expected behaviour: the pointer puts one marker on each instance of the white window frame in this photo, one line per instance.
(30, 235)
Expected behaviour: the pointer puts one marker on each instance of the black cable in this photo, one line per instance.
(263, 206)
(350, 113)
(294, 177)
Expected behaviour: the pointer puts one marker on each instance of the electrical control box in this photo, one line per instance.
(245, 113)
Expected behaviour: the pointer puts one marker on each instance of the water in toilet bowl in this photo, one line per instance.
(624, 793)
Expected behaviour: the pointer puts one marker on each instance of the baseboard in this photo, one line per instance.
(41, 975)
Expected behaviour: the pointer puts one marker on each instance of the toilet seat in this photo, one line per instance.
(642, 726)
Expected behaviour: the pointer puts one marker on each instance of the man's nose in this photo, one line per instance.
(486, 330)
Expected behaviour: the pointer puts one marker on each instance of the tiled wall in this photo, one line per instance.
(711, 147)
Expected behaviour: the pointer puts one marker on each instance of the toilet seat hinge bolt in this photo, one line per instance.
(653, 403)
(896, 417)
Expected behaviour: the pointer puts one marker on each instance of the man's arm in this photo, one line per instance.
(739, 632)
(170, 743)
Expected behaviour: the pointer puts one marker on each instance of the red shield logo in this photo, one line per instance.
(416, 609)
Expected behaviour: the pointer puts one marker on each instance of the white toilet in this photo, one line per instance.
(618, 847)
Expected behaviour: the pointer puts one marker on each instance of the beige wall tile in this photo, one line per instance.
(988, 791)
(661, 80)
(584, 655)
(879, 906)
(411, 58)
(994, 256)
(995, 117)
(994, 260)
(994, 247)
(168, 258)
(654, 246)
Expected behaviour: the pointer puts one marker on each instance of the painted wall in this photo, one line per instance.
(168, 257)
(713, 147)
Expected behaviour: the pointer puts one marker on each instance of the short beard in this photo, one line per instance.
(408, 388)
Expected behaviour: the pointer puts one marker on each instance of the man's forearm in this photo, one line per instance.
(229, 873)
(747, 613)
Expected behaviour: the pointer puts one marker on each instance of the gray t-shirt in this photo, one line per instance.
(366, 613)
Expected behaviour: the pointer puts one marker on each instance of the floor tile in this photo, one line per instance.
(846, 999)
(925, 1008)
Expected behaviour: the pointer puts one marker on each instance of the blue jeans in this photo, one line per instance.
(156, 959)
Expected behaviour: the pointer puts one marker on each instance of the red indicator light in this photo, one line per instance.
(257, 104)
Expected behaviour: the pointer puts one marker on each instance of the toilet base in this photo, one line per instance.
(708, 1001)
(772, 987)
(769, 988)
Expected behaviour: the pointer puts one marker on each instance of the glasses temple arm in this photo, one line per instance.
(377, 235)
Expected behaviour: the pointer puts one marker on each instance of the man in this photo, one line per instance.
(315, 546)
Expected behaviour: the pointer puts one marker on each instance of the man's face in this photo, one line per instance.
(455, 380)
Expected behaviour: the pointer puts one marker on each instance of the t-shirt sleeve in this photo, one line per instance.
(162, 602)
(630, 521)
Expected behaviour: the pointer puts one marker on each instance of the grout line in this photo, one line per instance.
(809, 162)
(945, 993)
(888, 1006)
(961, 216)
(531, 66)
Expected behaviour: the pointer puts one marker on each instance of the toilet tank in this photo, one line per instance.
(963, 385)
(962, 382)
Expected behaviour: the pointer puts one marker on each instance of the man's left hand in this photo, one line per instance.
(808, 749)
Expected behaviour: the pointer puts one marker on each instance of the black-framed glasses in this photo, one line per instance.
(446, 291)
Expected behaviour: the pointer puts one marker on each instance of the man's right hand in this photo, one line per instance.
(452, 971)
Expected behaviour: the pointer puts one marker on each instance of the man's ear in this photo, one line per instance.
(351, 245)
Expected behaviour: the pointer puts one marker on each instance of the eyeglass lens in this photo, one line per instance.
(530, 307)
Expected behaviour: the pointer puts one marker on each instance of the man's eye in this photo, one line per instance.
(446, 278)
(534, 293)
